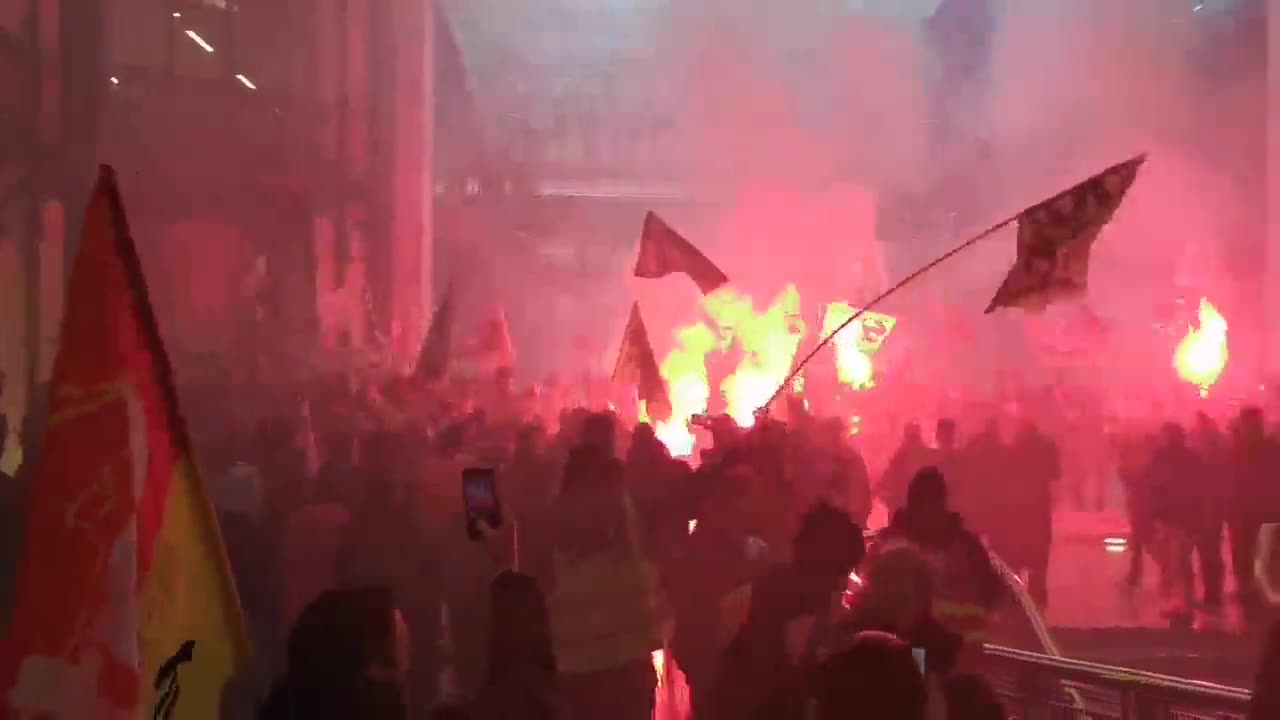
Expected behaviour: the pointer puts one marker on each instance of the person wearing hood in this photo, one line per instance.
(968, 586)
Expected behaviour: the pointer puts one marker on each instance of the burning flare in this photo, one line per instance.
(685, 370)
(853, 366)
(1201, 356)
(766, 343)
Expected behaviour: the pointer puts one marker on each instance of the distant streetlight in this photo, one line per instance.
(245, 81)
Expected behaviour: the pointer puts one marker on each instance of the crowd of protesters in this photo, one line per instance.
(343, 521)
(341, 508)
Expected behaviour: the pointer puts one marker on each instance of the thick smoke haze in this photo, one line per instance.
(839, 151)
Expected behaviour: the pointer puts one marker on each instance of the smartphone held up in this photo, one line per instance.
(480, 501)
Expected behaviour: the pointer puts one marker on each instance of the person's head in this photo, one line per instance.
(875, 678)
(349, 634)
(927, 491)
(599, 433)
(531, 440)
(970, 697)
(645, 445)
(519, 629)
(828, 544)
(897, 589)
(1251, 425)
(347, 656)
(945, 434)
(1172, 435)
(912, 434)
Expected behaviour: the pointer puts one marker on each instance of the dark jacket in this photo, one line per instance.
(948, 534)
(756, 676)
(1181, 485)
(1266, 690)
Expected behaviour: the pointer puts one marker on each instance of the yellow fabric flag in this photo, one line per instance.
(125, 603)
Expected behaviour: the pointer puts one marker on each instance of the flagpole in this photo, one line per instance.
(881, 297)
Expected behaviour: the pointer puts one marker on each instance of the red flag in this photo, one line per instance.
(663, 251)
(123, 564)
(638, 366)
(434, 356)
(491, 349)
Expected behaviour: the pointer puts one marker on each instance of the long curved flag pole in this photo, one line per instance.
(880, 298)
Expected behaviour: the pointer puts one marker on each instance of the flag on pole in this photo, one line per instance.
(1056, 236)
(638, 366)
(664, 251)
(123, 565)
(491, 349)
(437, 346)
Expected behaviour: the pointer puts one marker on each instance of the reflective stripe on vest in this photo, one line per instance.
(606, 609)
(954, 607)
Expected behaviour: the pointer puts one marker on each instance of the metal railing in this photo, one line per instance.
(1040, 687)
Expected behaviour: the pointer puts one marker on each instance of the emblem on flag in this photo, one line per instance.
(1056, 237)
(166, 682)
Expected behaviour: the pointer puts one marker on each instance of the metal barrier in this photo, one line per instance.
(1041, 687)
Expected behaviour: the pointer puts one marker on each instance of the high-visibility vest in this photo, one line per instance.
(606, 610)
(957, 603)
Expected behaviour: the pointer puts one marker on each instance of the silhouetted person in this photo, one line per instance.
(1024, 530)
(348, 656)
(763, 673)
(875, 678)
(912, 455)
(1255, 461)
(522, 678)
(967, 584)
(1183, 505)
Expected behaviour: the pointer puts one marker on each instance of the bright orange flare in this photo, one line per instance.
(1201, 356)
(685, 370)
(853, 367)
(768, 342)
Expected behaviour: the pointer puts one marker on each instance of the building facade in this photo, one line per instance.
(289, 139)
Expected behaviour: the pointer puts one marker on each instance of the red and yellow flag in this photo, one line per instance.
(122, 562)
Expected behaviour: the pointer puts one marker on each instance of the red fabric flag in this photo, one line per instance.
(122, 559)
(437, 347)
(638, 366)
(491, 349)
(664, 251)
